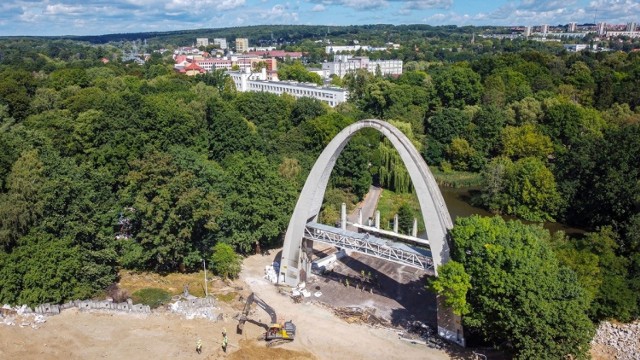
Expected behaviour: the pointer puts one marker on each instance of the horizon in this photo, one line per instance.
(96, 18)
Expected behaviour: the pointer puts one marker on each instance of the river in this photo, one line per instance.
(458, 203)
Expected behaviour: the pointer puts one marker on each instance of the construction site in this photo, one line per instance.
(333, 321)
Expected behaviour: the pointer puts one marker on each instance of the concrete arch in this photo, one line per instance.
(434, 210)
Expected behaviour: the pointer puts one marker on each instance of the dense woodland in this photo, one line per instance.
(113, 166)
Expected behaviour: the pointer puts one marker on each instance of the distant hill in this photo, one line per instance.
(263, 34)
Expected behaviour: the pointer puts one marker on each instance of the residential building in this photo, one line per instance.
(631, 26)
(192, 69)
(202, 42)
(571, 27)
(221, 43)
(601, 28)
(248, 81)
(630, 34)
(527, 31)
(334, 49)
(280, 54)
(544, 29)
(575, 47)
(344, 64)
(242, 45)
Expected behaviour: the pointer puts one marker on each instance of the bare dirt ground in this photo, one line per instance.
(162, 335)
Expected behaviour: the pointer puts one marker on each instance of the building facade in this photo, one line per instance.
(257, 81)
(202, 42)
(344, 64)
(221, 43)
(242, 45)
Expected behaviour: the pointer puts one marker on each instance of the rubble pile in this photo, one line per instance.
(22, 316)
(361, 316)
(197, 308)
(271, 272)
(623, 338)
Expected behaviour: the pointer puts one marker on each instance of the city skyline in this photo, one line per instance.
(96, 17)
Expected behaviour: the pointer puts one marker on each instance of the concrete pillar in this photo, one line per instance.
(360, 216)
(414, 230)
(395, 223)
(343, 217)
(377, 223)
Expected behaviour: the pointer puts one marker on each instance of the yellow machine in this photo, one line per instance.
(276, 333)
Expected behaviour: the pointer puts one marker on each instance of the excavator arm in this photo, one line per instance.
(247, 308)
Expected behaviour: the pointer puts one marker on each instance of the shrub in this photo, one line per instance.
(151, 296)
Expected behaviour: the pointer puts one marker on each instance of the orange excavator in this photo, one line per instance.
(276, 333)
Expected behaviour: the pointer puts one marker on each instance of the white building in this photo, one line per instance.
(334, 49)
(222, 43)
(344, 64)
(544, 29)
(571, 27)
(631, 26)
(601, 28)
(631, 34)
(248, 81)
(202, 42)
(527, 31)
(575, 47)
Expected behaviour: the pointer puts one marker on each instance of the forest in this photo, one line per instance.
(119, 166)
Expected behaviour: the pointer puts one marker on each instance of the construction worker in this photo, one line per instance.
(199, 346)
(225, 341)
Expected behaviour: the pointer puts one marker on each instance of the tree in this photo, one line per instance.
(173, 210)
(224, 261)
(229, 132)
(520, 299)
(457, 86)
(526, 189)
(306, 109)
(298, 72)
(525, 141)
(453, 283)
(405, 219)
(258, 201)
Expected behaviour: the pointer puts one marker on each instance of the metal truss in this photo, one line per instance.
(371, 246)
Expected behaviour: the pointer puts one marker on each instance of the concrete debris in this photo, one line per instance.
(270, 272)
(361, 315)
(20, 315)
(624, 339)
(199, 308)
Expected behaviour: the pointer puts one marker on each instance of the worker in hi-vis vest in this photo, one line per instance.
(199, 346)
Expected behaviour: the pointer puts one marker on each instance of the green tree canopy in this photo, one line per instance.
(521, 298)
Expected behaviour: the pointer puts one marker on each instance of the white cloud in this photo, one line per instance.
(318, 8)
(63, 9)
(279, 14)
(428, 4)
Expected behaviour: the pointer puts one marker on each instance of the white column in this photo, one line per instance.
(395, 223)
(377, 219)
(414, 231)
(343, 216)
(360, 216)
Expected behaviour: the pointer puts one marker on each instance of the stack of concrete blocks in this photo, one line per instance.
(53, 309)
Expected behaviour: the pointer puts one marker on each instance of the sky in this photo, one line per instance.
(97, 17)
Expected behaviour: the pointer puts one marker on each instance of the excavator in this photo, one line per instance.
(276, 333)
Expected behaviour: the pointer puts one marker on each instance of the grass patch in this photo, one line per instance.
(228, 297)
(456, 179)
(153, 297)
(389, 204)
(173, 283)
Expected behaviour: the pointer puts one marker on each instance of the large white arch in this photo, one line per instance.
(434, 210)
